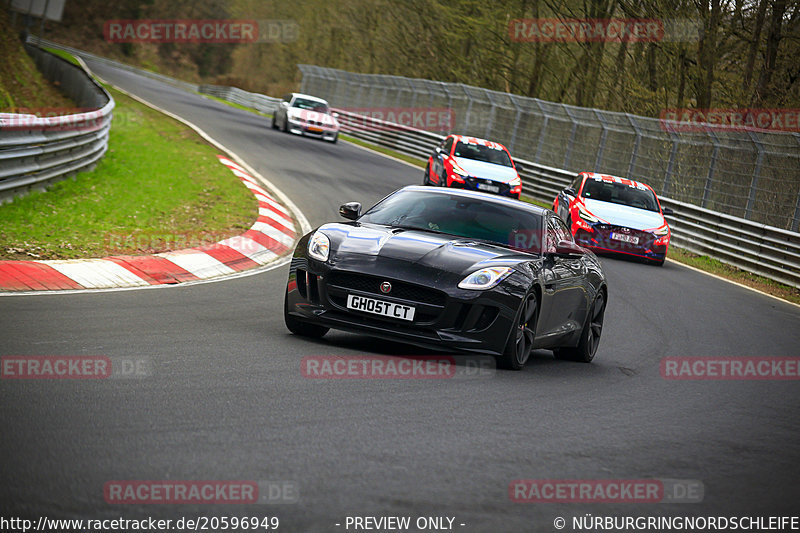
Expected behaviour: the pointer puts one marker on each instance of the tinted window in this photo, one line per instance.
(312, 105)
(479, 152)
(448, 144)
(471, 218)
(620, 193)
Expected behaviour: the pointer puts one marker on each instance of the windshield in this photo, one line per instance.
(620, 193)
(461, 217)
(479, 152)
(312, 105)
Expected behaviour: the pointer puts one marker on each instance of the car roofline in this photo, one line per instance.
(499, 200)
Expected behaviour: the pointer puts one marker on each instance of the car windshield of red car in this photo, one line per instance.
(479, 152)
(620, 193)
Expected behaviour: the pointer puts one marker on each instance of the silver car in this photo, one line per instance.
(303, 114)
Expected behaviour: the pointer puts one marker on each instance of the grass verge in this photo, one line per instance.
(159, 187)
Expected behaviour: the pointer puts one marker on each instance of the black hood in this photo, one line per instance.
(382, 244)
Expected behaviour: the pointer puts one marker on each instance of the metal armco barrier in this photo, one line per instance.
(765, 250)
(35, 152)
(259, 102)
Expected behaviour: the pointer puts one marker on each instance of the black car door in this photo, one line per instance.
(564, 279)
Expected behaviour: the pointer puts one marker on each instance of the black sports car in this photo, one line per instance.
(450, 269)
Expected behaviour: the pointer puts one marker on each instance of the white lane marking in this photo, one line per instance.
(96, 273)
(200, 264)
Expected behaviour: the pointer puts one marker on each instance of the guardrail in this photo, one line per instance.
(38, 151)
(764, 250)
(259, 102)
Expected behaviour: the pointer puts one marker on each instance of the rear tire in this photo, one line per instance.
(335, 138)
(523, 333)
(590, 336)
(299, 327)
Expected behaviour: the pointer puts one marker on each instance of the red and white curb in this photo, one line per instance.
(271, 237)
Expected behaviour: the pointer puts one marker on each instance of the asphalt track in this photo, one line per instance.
(226, 399)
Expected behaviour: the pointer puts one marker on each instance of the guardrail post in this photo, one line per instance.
(450, 110)
(517, 118)
(636, 143)
(711, 167)
(568, 152)
(671, 164)
(542, 133)
(602, 145)
(468, 118)
(751, 200)
(490, 122)
(796, 218)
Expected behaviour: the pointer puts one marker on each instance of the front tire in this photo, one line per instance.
(426, 178)
(590, 336)
(274, 124)
(523, 333)
(301, 328)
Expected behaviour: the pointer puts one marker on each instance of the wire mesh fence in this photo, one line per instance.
(745, 173)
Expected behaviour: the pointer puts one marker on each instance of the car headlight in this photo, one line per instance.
(663, 230)
(485, 278)
(587, 216)
(459, 171)
(319, 246)
(516, 182)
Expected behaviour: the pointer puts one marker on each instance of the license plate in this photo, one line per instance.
(380, 307)
(625, 238)
(490, 188)
(315, 130)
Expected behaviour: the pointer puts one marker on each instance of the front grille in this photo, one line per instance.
(602, 235)
(472, 183)
(400, 289)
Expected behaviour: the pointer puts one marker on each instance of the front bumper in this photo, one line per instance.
(312, 130)
(460, 320)
(486, 185)
(598, 238)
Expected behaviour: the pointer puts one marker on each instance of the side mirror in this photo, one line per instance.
(438, 149)
(667, 211)
(570, 191)
(350, 210)
(568, 249)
